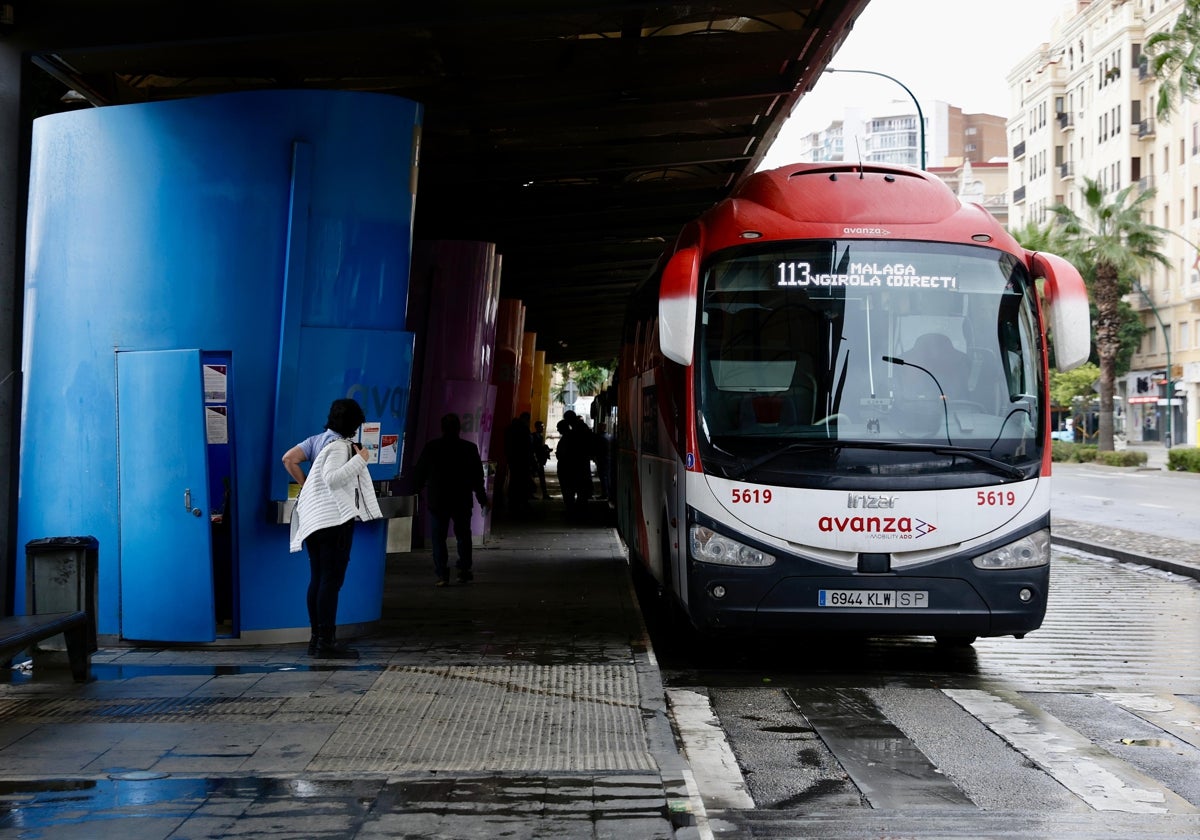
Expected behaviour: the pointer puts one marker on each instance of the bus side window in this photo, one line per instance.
(1010, 357)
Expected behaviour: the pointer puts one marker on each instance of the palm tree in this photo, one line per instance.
(588, 377)
(1047, 238)
(1035, 237)
(1112, 243)
(1175, 58)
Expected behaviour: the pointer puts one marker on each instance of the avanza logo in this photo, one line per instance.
(904, 525)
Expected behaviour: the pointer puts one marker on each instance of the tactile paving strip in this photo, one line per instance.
(136, 709)
(464, 718)
(503, 717)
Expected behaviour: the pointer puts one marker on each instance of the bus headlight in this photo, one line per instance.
(710, 547)
(1033, 550)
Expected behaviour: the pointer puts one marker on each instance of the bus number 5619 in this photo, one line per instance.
(994, 498)
(752, 495)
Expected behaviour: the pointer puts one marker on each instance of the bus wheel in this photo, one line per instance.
(947, 640)
(678, 623)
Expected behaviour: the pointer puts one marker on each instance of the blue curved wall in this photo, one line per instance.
(274, 227)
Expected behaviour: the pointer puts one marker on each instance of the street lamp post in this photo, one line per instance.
(920, 116)
(1167, 342)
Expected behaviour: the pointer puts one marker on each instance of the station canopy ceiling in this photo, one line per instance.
(578, 135)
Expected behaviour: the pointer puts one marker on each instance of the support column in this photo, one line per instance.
(14, 172)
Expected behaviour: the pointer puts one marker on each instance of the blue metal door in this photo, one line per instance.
(166, 551)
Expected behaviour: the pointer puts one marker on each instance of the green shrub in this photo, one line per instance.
(1072, 452)
(1062, 451)
(1184, 458)
(1124, 458)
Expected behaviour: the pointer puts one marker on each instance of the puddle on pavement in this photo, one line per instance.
(45, 803)
(1147, 742)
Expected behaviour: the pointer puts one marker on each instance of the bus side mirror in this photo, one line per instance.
(1067, 300)
(677, 293)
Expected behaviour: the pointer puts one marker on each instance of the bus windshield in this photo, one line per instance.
(819, 361)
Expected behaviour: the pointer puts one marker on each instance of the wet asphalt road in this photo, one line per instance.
(1088, 727)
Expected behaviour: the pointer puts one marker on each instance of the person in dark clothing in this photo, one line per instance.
(451, 471)
(567, 455)
(518, 450)
(585, 447)
(541, 453)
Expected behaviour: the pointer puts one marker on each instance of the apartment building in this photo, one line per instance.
(1083, 105)
(978, 183)
(891, 133)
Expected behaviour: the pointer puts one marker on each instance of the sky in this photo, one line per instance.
(954, 51)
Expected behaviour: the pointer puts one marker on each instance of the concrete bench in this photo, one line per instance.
(19, 632)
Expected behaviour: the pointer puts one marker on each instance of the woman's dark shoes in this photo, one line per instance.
(336, 651)
(329, 648)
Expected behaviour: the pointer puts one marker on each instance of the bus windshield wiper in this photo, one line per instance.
(898, 446)
(940, 449)
(807, 446)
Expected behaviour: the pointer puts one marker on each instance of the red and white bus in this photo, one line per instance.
(834, 412)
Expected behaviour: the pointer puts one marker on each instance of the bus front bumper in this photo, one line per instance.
(887, 604)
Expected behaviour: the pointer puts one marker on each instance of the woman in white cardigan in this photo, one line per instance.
(336, 493)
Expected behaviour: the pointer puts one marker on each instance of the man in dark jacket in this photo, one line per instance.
(450, 470)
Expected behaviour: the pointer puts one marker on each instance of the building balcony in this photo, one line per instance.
(1139, 302)
(1144, 71)
(1066, 170)
(1018, 151)
(1066, 120)
(1145, 129)
(1146, 183)
(1019, 195)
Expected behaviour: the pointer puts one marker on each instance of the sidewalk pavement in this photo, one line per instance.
(526, 704)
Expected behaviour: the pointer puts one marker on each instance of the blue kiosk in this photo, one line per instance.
(203, 277)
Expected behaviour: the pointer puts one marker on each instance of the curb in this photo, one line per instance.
(1182, 569)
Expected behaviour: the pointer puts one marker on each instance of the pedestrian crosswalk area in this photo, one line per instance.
(926, 761)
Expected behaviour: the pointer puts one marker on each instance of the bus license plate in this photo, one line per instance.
(873, 598)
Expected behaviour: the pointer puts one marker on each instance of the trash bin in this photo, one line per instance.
(60, 576)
